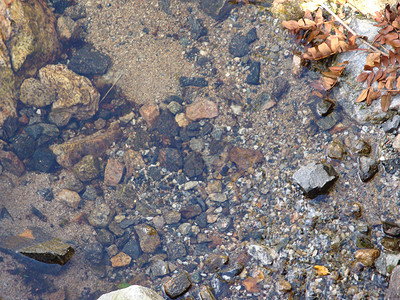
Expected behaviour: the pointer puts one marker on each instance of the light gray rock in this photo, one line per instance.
(132, 292)
(392, 124)
(367, 168)
(315, 178)
(264, 254)
(393, 292)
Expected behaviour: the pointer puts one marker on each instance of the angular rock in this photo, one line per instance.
(88, 61)
(132, 292)
(127, 194)
(196, 27)
(113, 172)
(35, 93)
(245, 158)
(193, 81)
(76, 96)
(42, 133)
(148, 238)
(88, 168)
(392, 124)
(159, 268)
(132, 248)
(70, 152)
(240, 44)
(315, 178)
(100, 216)
(325, 107)
(391, 227)
(367, 168)
(194, 165)
(23, 145)
(335, 150)
(43, 160)
(11, 163)
(393, 292)
(253, 77)
(367, 256)
(171, 159)
(177, 285)
(68, 29)
(68, 180)
(149, 113)
(70, 198)
(120, 260)
(217, 9)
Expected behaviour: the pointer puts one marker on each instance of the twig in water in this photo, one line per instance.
(109, 90)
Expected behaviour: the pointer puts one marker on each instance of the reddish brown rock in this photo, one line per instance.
(202, 109)
(121, 260)
(149, 113)
(12, 163)
(113, 173)
(367, 256)
(133, 161)
(245, 158)
(149, 239)
(70, 152)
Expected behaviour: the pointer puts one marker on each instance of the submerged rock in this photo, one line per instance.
(315, 178)
(148, 238)
(132, 292)
(367, 168)
(177, 285)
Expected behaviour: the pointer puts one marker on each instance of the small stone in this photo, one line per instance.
(182, 120)
(148, 238)
(132, 292)
(284, 286)
(215, 261)
(202, 109)
(105, 237)
(214, 187)
(217, 197)
(206, 293)
(116, 229)
(315, 178)
(67, 29)
(392, 124)
(149, 113)
(367, 256)
(329, 121)
(194, 165)
(231, 270)
(120, 260)
(159, 222)
(12, 163)
(159, 268)
(193, 81)
(43, 160)
(36, 94)
(88, 168)
(335, 150)
(171, 159)
(88, 61)
(172, 217)
(174, 107)
(176, 250)
(239, 46)
(393, 292)
(190, 185)
(68, 180)
(245, 158)
(190, 211)
(254, 77)
(112, 250)
(325, 107)
(113, 172)
(362, 148)
(177, 285)
(396, 142)
(391, 227)
(70, 198)
(132, 248)
(126, 194)
(196, 144)
(367, 168)
(100, 216)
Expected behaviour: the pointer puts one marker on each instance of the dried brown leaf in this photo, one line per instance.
(395, 43)
(363, 95)
(362, 77)
(372, 58)
(291, 25)
(389, 82)
(385, 102)
(392, 57)
(381, 84)
(385, 61)
(370, 78)
(379, 75)
(398, 83)
(386, 30)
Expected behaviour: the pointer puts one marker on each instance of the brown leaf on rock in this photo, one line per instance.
(385, 61)
(362, 77)
(389, 82)
(362, 96)
(385, 102)
(398, 83)
(291, 25)
(372, 58)
(372, 95)
(370, 78)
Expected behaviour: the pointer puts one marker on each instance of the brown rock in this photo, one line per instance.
(202, 109)
(245, 158)
(148, 238)
(367, 256)
(8, 99)
(393, 292)
(67, 28)
(70, 152)
(149, 113)
(133, 161)
(177, 285)
(70, 198)
(12, 163)
(181, 120)
(113, 173)
(35, 93)
(76, 96)
(88, 168)
(120, 260)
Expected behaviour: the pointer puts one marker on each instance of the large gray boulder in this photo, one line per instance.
(132, 292)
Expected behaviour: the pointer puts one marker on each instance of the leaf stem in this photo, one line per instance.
(386, 52)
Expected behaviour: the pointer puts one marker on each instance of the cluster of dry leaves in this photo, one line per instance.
(324, 38)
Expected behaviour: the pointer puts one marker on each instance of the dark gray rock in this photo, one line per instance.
(177, 285)
(315, 178)
(159, 268)
(393, 292)
(252, 35)
(329, 121)
(166, 125)
(194, 165)
(190, 211)
(176, 250)
(132, 248)
(281, 87)
(94, 253)
(392, 124)
(88, 61)
(193, 81)
(217, 9)
(228, 272)
(105, 237)
(391, 227)
(90, 193)
(239, 46)
(42, 133)
(149, 239)
(254, 76)
(23, 145)
(196, 27)
(43, 160)
(367, 168)
(46, 193)
(325, 107)
(171, 159)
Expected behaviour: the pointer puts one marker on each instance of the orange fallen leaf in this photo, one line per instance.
(27, 234)
(250, 284)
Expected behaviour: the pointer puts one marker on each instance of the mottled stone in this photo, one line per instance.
(172, 217)
(76, 96)
(70, 198)
(100, 215)
(159, 268)
(202, 109)
(88, 168)
(393, 292)
(11, 163)
(132, 292)
(69, 181)
(88, 61)
(113, 172)
(67, 28)
(177, 285)
(148, 238)
(120, 260)
(127, 194)
(367, 256)
(70, 152)
(194, 165)
(335, 150)
(35, 93)
(245, 158)
(367, 168)
(171, 159)
(181, 120)
(217, 197)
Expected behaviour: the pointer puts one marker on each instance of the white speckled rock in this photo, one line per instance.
(132, 292)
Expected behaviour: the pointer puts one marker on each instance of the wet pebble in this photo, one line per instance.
(190, 211)
(392, 124)
(367, 168)
(171, 159)
(120, 260)
(177, 285)
(176, 250)
(70, 198)
(391, 227)
(202, 109)
(149, 239)
(94, 253)
(393, 292)
(149, 112)
(239, 46)
(206, 293)
(43, 160)
(35, 93)
(367, 256)
(105, 237)
(172, 217)
(325, 107)
(362, 148)
(335, 150)
(228, 272)
(159, 268)
(88, 61)
(280, 88)
(88, 168)
(23, 146)
(194, 165)
(329, 121)
(132, 248)
(253, 77)
(100, 215)
(193, 81)
(113, 172)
